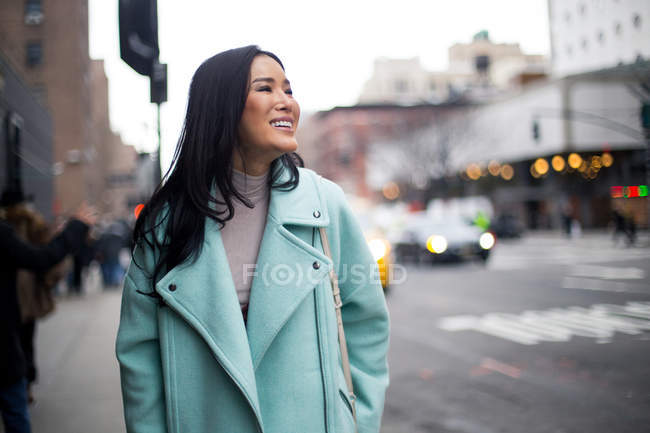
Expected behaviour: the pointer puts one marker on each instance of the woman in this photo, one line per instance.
(228, 321)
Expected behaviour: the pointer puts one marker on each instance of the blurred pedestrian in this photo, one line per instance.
(567, 218)
(15, 254)
(109, 245)
(80, 261)
(34, 289)
(622, 227)
(238, 203)
(630, 229)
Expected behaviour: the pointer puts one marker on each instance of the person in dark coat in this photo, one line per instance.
(17, 254)
(109, 245)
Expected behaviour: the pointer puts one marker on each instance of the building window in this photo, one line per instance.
(482, 64)
(582, 9)
(33, 12)
(34, 54)
(618, 28)
(567, 16)
(636, 20)
(401, 86)
(569, 50)
(584, 44)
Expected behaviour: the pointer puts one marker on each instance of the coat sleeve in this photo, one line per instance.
(138, 352)
(24, 255)
(364, 311)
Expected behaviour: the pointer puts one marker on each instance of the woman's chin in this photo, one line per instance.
(287, 147)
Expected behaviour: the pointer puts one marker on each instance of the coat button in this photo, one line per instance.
(316, 214)
(316, 265)
(172, 287)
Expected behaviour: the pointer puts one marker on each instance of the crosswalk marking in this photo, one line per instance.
(608, 272)
(600, 321)
(533, 251)
(592, 284)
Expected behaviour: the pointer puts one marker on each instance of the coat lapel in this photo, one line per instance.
(204, 294)
(285, 272)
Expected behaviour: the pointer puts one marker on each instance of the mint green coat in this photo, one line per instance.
(191, 365)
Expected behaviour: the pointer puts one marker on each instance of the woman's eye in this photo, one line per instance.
(264, 89)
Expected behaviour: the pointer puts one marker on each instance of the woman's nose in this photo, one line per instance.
(284, 102)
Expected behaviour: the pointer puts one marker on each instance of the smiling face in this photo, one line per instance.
(270, 118)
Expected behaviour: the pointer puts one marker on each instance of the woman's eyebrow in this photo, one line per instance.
(268, 79)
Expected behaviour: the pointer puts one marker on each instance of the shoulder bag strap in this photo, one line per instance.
(339, 321)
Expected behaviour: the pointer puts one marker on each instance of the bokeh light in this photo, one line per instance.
(473, 171)
(574, 160)
(541, 166)
(583, 166)
(607, 159)
(507, 172)
(390, 191)
(596, 162)
(137, 210)
(437, 244)
(494, 168)
(558, 163)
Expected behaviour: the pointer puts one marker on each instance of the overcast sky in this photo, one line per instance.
(328, 48)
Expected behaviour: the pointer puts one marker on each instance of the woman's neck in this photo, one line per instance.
(252, 166)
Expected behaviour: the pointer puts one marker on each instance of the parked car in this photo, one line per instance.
(428, 240)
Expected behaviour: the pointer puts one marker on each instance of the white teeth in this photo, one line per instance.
(281, 123)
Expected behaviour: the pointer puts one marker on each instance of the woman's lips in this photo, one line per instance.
(282, 124)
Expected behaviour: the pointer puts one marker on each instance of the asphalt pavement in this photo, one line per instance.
(526, 343)
(553, 335)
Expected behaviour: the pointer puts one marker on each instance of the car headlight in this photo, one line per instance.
(437, 244)
(378, 248)
(486, 241)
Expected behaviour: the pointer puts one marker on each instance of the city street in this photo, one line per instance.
(545, 365)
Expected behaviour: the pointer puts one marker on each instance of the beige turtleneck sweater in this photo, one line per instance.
(242, 235)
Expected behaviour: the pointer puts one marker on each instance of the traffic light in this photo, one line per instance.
(536, 134)
(645, 115)
(139, 34)
(158, 82)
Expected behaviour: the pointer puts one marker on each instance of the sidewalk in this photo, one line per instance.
(78, 389)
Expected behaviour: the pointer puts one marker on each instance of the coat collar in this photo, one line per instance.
(304, 205)
(203, 292)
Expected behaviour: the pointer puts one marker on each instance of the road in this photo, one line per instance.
(525, 343)
(456, 366)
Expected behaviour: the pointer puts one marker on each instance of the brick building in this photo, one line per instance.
(46, 42)
(336, 143)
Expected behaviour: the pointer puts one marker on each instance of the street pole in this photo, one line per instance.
(645, 124)
(157, 174)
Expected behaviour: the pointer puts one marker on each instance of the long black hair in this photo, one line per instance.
(204, 159)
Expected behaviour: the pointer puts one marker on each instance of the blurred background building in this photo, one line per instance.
(25, 129)
(591, 35)
(479, 69)
(543, 139)
(45, 44)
